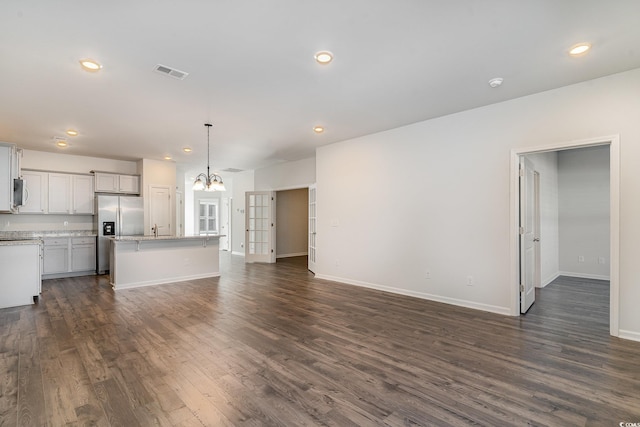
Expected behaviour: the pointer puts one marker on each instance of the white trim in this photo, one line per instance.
(550, 279)
(584, 275)
(163, 281)
(613, 141)
(237, 253)
(293, 187)
(629, 335)
(292, 255)
(453, 301)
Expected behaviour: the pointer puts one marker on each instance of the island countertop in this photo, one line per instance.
(154, 238)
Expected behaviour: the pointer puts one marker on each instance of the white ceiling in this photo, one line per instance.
(252, 72)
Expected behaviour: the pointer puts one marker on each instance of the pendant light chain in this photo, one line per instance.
(208, 182)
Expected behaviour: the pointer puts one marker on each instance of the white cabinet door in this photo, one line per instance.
(83, 195)
(35, 192)
(107, 182)
(56, 256)
(59, 193)
(83, 254)
(129, 184)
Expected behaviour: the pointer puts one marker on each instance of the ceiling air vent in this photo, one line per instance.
(168, 71)
(231, 170)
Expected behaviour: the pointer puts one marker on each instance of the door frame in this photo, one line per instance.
(613, 141)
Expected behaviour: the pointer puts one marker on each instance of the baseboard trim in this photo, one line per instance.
(292, 255)
(549, 279)
(629, 335)
(584, 275)
(446, 300)
(237, 253)
(163, 281)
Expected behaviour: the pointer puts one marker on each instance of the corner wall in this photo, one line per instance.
(583, 186)
(443, 210)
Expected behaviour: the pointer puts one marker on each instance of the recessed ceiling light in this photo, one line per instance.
(579, 49)
(495, 82)
(318, 129)
(72, 132)
(90, 65)
(62, 143)
(187, 149)
(324, 57)
(167, 157)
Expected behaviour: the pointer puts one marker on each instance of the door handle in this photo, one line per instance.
(537, 239)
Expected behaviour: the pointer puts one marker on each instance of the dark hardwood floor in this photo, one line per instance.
(271, 345)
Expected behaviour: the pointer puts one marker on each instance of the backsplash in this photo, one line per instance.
(24, 222)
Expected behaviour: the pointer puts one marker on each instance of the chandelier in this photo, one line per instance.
(208, 181)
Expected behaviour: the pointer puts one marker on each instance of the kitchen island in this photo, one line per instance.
(147, 260)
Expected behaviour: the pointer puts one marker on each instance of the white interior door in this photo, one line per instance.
(260, 227)
(225, 227)
(527, 235)
(160, 210)
(311, 259)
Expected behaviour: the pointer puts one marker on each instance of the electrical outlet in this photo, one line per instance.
(469, 280)
(337, 263)
(427, 275)
(580, 258)
(601, 260)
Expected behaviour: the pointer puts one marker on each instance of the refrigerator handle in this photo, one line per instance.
(119, 222)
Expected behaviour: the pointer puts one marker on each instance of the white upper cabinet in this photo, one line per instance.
(59, 193)
(106, 182)
(35, 192)
(129, 184)
(116, 183)
(83, 195)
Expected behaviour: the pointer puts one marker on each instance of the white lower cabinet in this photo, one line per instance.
(55, 256)
(69, 256)
(83, 254)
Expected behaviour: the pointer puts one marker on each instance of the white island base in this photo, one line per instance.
(146, 260)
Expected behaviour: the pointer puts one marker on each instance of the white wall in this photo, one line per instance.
(583, 179)
(546, 164)
(292, 222)
(160, 173)
(60, 162)
(444, 204)
(285, 176)
(242, 182)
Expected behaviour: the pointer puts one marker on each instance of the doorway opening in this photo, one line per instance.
(291, 217)
(612, 144)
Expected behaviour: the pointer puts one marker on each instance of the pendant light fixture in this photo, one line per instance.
(208, 181)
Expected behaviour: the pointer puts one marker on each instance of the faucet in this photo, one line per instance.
(155, 230)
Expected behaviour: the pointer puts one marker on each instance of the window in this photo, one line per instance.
(208, 217)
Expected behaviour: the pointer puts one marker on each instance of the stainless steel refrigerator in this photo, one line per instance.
(116, 216)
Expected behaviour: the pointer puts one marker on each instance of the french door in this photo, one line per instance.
(260, 208)
(311, 263)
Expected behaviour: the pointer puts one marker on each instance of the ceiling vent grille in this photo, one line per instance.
(231, 170)
(168, 71)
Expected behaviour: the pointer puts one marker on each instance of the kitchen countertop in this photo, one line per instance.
(151, 238)
(20, 242)
(22, 235)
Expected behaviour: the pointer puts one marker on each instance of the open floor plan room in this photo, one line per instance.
(268, 344)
